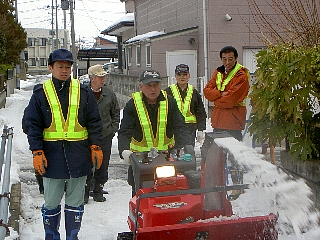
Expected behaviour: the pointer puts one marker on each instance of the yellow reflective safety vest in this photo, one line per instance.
(160, 141)
(222, 86)
(61, 129)
(184, 105)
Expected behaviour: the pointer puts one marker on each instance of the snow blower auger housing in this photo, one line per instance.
(186, 204)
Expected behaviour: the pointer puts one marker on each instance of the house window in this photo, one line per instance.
(32, 62)
(138, 55)
(129, 55)
(43, 62)
(124, 60)
(31, 42)
(55, 42)
(148, 55)
(62, 42)
(42, 42)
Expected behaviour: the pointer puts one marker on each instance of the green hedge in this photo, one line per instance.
(4, 68)
(285, 96)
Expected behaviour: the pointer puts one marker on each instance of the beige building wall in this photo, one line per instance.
(39, 47)
(174, 15)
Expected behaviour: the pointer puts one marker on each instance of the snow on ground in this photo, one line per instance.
(271, 190)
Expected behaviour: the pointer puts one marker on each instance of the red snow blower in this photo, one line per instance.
(177, 202)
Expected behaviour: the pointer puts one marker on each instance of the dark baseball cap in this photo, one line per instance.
(182, 68)
(60, 55)
(148, 76)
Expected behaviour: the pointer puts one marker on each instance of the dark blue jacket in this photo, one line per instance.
(65, 158)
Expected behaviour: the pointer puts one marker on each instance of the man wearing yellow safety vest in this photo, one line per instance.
(64, 134)
(189, 102)
(228, 89)
(151, 118)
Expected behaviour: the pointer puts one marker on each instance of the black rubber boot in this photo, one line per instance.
(87, 191)
(40, 182)
(98, 192)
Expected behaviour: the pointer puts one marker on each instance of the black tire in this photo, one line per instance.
(125, 236)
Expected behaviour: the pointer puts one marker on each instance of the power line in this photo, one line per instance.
(93, 14)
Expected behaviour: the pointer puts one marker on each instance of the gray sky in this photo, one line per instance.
(90, 16)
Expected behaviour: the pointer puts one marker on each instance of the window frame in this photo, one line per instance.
(31, 42)
(32, 60)
(43, 42)
(148, 55)
(138, 55)
(129, 56)
(43, 62)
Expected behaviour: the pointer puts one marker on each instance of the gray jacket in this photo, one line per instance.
(109, 111)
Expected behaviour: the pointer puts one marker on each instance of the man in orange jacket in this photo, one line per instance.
(228, 89)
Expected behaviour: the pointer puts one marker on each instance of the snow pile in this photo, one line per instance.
(272, 191)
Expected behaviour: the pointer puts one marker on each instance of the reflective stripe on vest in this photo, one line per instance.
(184, 106)
(228, 79)
(161, 142)
(61, 129)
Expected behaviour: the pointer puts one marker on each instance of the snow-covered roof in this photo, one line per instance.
(145, 36)
(122, 24)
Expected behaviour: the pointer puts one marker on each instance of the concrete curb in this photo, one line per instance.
(14, 207)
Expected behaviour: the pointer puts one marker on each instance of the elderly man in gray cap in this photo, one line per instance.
(158, 108)
(110, 116)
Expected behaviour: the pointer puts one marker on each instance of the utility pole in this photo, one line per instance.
(65, 29)
(20, 67)
(65, 7)
(57, 28)
(73, 42)
(52, 31)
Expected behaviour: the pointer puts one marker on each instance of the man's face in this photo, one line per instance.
(61, 70)
(151, 90)
(97, 82)
(182, 78)
(228, 60)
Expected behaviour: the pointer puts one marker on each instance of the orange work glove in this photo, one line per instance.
(96, 156)
(39, 161)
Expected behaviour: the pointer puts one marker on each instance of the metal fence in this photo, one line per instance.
(6, 147)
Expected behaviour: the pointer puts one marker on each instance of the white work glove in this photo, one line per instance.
(200, 136)
(126, 155)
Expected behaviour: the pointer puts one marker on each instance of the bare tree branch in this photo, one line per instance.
(293, 21)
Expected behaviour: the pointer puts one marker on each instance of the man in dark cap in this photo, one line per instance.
(189, 102)
(64, 134)
(154, 106)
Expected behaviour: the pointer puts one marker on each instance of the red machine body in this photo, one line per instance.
(171, 210)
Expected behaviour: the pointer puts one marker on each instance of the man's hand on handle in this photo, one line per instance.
(126, 155)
